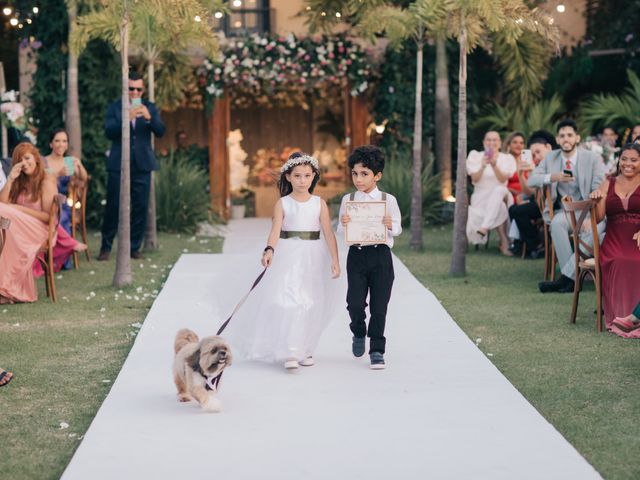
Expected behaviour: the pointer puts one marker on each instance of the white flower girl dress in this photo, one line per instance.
(288, 310)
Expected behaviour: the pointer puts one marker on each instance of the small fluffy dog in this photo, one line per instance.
(197, 364)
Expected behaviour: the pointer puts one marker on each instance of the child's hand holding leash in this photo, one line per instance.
(267, 256)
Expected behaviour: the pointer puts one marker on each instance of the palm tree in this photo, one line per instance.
(398, 23)
(115, 22)
(606, 109)
(539, 114)
(443, 118)
(73, 125)
(168, 31)
(470, 23)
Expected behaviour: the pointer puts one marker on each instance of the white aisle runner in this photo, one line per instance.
(440, 410)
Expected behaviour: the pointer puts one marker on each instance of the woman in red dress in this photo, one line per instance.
(618, 198)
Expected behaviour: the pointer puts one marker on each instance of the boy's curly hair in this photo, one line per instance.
(369, 156)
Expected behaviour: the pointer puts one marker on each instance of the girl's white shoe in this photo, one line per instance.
(291, 364)
(308, 362)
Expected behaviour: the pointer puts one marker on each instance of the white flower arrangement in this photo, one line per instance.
(14, 115)
(607, 153)
(283, 69)
(292, 162)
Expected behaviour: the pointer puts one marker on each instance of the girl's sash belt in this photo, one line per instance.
(301, 235)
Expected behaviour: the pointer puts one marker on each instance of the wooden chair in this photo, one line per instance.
(4, 226)
(77, 200)
(587, 257)
(544, 198)
(45, 255)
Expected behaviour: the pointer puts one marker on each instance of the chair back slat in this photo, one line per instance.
(579, 212)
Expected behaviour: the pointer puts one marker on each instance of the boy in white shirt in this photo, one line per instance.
(370, 267)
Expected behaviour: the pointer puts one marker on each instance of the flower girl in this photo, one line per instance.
(283, 318)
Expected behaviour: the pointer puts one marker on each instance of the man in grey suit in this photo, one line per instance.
(572, 172)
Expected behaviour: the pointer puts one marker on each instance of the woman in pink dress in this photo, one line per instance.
(618, 198)
(26, 200)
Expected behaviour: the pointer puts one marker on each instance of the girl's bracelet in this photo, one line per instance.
(267, 248)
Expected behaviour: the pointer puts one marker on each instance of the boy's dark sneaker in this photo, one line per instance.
(377, 360)
(358, 346)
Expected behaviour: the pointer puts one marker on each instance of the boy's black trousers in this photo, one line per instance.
(369, 270)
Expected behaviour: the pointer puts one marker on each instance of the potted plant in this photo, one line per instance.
(240, 202)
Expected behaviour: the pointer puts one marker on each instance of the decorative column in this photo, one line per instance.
(219, 123)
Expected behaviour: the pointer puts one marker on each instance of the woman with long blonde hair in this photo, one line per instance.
(26, 201)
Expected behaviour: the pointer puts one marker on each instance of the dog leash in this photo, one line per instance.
(212, 383)
(255, 283)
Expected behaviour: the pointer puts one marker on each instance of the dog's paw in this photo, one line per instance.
(212, 405)
(184, 397)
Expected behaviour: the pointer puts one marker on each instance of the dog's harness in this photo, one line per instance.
(211, 383)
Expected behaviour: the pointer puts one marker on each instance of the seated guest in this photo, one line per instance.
(526, 212)
(65, 169)
(571, 172)
(489, 171)
(628, 326)
(514, 145)
(618, 199)
(62, 251)
(26, 200)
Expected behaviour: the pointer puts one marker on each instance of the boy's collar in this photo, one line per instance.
(373, 192)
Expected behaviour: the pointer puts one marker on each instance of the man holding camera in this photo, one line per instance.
(571, 172)
(145, 120)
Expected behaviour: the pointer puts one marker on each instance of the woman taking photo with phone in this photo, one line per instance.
(26, 201)
(490, 171)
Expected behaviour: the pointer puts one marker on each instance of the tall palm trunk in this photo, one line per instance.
(73, 125)
(460, 222)
(123, 260)
(151, 233)
(443, 119)
(416, 186)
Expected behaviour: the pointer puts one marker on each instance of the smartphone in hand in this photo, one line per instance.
(567, 172)
(136, 102)
(526, 160)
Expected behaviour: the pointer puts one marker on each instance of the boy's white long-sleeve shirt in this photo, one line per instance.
(375, 195)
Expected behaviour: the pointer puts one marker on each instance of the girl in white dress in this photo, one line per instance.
(284, 316)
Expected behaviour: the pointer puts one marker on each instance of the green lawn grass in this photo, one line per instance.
(587, 384)
(65, 356)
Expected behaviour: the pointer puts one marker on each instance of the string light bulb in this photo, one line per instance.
(7, 11)
(197, 18)
(338, 14)
(13, 22)
(218, 14)
(560, 8)
(237, 3)
(36, 9)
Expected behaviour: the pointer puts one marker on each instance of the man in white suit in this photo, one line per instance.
(572, 172)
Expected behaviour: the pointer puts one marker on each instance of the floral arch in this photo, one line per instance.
(280, 71)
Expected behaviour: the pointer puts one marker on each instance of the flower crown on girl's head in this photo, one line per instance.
(292, 162)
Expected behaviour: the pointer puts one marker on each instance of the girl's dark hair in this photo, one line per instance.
(284, 185)
(57, 131)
